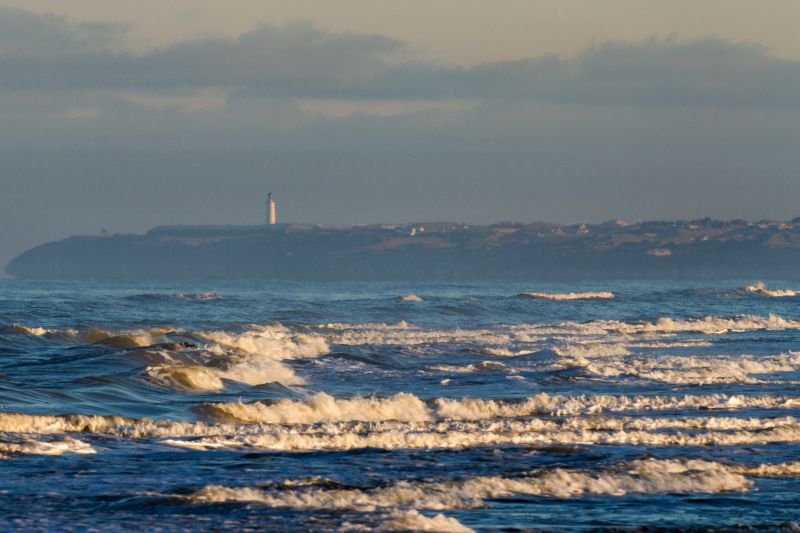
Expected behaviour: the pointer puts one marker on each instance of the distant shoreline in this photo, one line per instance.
(442, 251)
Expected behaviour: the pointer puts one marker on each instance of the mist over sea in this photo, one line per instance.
(428, 406)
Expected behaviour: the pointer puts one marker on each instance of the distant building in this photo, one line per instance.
(272, 217)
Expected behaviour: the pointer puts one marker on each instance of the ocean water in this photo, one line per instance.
(438, 407)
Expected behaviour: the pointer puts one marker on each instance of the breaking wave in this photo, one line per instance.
(114, 339)
(761, 289)
(409, 408)
(687, 370)
(500, 337)
(325, 408)
(36, 445)
(253, 357)
(402, 407)
(468, 434)
(650, 476)
(404, 421)
(203, 361)
(569, 295)
(413, 520)
(400, 502)
(276, 342)
(206, 378)
(462, 435)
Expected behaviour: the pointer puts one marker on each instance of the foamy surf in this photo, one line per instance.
(253, 357)
(409, 408)
(11, 445)
(252, 418)
(413, 520)
(763, 290)
(542, 335)
(404, 422)
(202, 378)
(569, 295)
(651, 476)
(450, 435)
(325, 408)
(352, 399)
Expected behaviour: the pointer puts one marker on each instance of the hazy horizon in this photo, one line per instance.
(125, 118)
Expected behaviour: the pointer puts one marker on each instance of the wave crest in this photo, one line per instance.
(652, 476)
(761, 289)
(604, 295)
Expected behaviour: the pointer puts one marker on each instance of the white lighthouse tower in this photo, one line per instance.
(272, 217)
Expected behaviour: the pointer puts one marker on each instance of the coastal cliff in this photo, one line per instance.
(433, 251)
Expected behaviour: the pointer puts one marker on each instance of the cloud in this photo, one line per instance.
(289, 61)
(661, 72)
(33, 36)
(300, 61)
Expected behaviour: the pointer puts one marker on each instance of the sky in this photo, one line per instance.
(122, 115)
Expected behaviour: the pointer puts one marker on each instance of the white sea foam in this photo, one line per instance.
(569, 295)
(253, 357)
(410, 335)
(523, 339)
(413, 520)
(708, 325)
(326, 408)
(35, 331)
(505, 352)
(760, 288)
(409, 408)
(404, 407)
(369, 325)
(483, 366)
(31, 445)
(210, 379)
(313, 430)
(686, 343)
(693, 370)
(685, 476)
(275, 342)
(769, 470)
(45, 424)
(278, 342)
(459, 435)
(557, 405)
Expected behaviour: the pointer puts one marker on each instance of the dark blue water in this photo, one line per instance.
(354, 406)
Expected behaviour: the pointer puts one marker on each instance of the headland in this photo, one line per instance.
(439, 251)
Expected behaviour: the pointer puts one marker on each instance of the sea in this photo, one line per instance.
(276, 406)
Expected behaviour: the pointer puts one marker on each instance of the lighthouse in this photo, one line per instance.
(272, 217)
